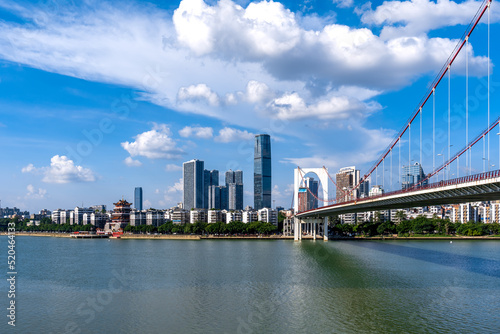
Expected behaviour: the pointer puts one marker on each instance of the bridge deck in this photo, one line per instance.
(479, 187)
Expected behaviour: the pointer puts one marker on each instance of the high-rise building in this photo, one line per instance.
(210, 178)
(235, 196)
(313, 187)
(412, 175)
(262, 172)
(364, 189)
(347, 178)
(304, 199)
(193, 175)
(234, 184)
(238, 177)
(138, 198)
(218, 197)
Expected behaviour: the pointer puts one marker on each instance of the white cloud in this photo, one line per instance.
(200, 92)
(228, 135)
(365, 147)
(34, 193)
(131, 162)
(147, 204)
(258, 92)
(292, 106)
(262, 49)
(261, 29)
(62, 170)
(197, 132)
(28, 168)
(177, 187)
(344, 3)
(173, 168)
(154, 144)
(412, 18)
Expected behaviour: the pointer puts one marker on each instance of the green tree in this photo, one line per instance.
(400, 216)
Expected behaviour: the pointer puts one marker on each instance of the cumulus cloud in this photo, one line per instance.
(228, 135)
(200, 92)
(28, 168)
(154, 144)
(197, 132)
(263, 50)
(61, 170)
(172, 195)
(412, 18)
(34, 193)
(292, 106)
(131, 162)
(268, 27)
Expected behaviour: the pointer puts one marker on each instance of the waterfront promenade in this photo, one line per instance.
(262, 237)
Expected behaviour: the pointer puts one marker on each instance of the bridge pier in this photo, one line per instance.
(310, 227)
(325, 229)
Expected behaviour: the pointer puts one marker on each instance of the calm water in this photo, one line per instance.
(168, 286)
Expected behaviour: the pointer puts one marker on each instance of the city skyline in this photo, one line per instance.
(87, 124)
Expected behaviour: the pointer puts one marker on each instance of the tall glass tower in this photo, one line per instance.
(193, 174)
(138, 198)
(262, 172)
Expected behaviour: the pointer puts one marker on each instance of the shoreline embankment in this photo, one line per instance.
(260, 237)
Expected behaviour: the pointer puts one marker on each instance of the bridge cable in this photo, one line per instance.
(489, 9)
(409, 144)
(456, 156)
(467, 106)
(421, 111)
(449, 118)
(472, 25)
(433, 129)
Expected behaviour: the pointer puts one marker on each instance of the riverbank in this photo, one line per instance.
(261, 237)
(451, 237)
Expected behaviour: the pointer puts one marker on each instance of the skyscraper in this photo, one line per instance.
(193, 175)
(412, 175)
(210, 178)
(235, 196)
(262, 172)
(313, 187)
(346, 179)
(234, 184)
(138, 198)
(217, 198)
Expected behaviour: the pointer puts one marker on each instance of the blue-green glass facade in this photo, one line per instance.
(262, 172)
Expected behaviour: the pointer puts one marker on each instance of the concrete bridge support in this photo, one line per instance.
(310, 227)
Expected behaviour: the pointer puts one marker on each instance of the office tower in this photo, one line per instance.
(347, 178)
(218, 198)
(413, 175)
(210, 178)
(235, 196)
(304, 199)
(313, 187)
(364, 189)
(234, 184)
(193, 176)
(262, 172)
(138, 198)
(238, 177)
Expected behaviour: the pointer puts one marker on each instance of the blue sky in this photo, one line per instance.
(97, 98)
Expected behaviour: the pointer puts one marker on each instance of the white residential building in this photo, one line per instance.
(249, 216)
(267, 215)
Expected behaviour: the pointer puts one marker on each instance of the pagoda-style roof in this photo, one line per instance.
(122, 202)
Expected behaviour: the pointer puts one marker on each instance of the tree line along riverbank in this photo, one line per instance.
(419, 227)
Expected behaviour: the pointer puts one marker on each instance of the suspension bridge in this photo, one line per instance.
(457, 179)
